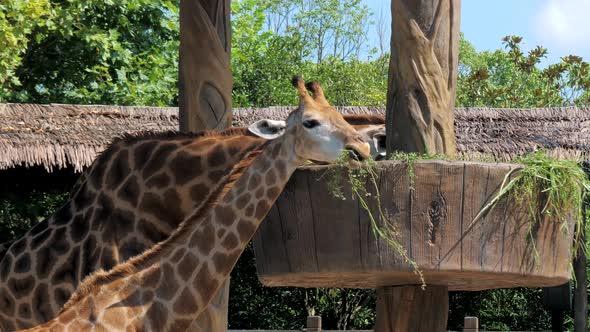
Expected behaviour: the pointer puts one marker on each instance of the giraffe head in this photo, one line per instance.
(321, 132)
(371, 128)
(375, 135)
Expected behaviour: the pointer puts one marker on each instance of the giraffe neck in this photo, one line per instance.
(135, 195)
(232, 222)
(208, 247)
(170, 285)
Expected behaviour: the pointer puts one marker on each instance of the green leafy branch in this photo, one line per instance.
(358, 178)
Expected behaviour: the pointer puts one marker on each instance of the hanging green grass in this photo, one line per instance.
(547, 188)
(358, 178)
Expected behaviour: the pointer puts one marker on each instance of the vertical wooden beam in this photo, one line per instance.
(419, 118)
(409, 308)
(313, 324)
(581, 286)
(204, 69)
(423, 76)
(557, 300)
(205, 85)
(470, 324)
(580, 293)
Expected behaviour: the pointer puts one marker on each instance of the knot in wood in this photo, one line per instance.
(437, 212)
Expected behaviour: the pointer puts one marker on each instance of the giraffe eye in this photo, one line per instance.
(311, 123)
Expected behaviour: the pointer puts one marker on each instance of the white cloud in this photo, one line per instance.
(564, 26)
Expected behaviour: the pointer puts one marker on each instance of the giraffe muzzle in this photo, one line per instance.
(354, 154)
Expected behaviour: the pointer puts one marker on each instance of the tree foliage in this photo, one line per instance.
(18, 19)
(18, 212)
(330, 28)
(95, 51)
(518, 309)
(510, 78)
(273, 41)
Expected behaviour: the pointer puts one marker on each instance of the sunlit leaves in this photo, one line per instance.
(272, 41)
(18, 19)
(96, 51)
(510, 78)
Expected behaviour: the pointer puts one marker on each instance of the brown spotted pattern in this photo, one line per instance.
(183, 273)
(169, 286)
(132, 197)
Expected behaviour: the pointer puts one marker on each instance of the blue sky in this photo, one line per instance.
(562, 26)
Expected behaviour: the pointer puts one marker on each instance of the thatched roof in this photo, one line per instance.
(58, 136)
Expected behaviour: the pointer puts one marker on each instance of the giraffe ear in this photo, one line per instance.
(268, 129)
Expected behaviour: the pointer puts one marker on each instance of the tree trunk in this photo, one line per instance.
(420, 103)
(205, 98)
(409, 308)
(423, 76)
(204, 73)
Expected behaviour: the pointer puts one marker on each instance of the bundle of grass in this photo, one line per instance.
(546, 188)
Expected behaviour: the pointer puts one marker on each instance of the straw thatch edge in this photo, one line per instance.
(61, 135)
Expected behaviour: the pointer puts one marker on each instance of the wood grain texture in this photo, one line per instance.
(406, 308)
(205, 84)
(423, 76)
(204, 73)
(438, 193)
(334, 246)
(419, 118)
(338, 226)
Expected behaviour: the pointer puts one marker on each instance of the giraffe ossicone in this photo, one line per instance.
(168, 286)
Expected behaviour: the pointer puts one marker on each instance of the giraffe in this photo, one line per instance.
(121, 206)
(167, 287)
(132, 197)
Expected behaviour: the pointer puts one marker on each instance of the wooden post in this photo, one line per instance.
(204, 73)
(420, 102)
(557, 300)
(409, 308)
(423, 76)
(581, 286)
(314, 324)
(205, 96)
(470, 324)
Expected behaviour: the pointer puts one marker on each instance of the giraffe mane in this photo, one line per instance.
(130, 138)
(173, 134)
(364, 119)
(147, 258)
(352, 119)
